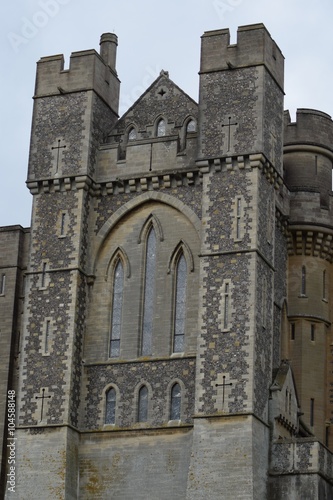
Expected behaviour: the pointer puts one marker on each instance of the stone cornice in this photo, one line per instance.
(139, 183)
(310, 241)
(229, 163)
(308, 148)
(157, 180)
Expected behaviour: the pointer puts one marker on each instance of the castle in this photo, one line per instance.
(166, 320)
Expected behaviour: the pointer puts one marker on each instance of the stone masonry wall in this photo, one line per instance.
(238, 86)
(127, 378)
(58, 118)
(143, 465)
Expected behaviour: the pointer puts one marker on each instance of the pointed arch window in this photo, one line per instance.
(149, 294)
(117, 306)
(132, 135)
(161, 128)
(180, 304)
(143, 404)
(175, 405)
(191, 126)
(110, 407)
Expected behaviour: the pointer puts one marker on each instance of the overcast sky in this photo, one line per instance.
(153, 35)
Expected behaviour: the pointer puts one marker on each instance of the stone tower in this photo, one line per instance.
(308, 154)
(240, 157)
(14, 243)
(73, 109)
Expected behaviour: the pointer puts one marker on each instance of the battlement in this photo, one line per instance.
(312, 127)
(88, 70)
(308, 155)
(254, 47)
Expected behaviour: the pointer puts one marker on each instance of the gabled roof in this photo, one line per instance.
(281, 378)
(162, 99)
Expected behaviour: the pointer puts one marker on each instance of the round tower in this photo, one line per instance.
(308, 155)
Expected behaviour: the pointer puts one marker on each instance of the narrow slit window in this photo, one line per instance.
(149, 295)
(226, 306)
(3, 284)
(238, 218)
(324, 285)
(311, 412)
(117, 306)
(110, 407)
(143, 404)
(63, 224)
(313, 333)
(47, 337)
(303, 282)
(175, 405)
(292, 331)
(43, 280)
(180, 305)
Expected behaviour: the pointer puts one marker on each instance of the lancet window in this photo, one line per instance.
(175, 406)
(180, 304)
(143, 404)
(149, 294)
(110, 407)
(161, 128)
(117, 305)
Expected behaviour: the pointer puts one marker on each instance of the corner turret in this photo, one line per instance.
(254, 47)
(70, 105)
(241, 86)
(308, 153)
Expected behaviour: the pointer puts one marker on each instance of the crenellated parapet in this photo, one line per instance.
(88, 70)
(311, 242)
(254, 47)
(308, 155)
(247, 115)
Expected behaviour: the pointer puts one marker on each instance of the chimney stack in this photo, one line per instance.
(108, 51)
